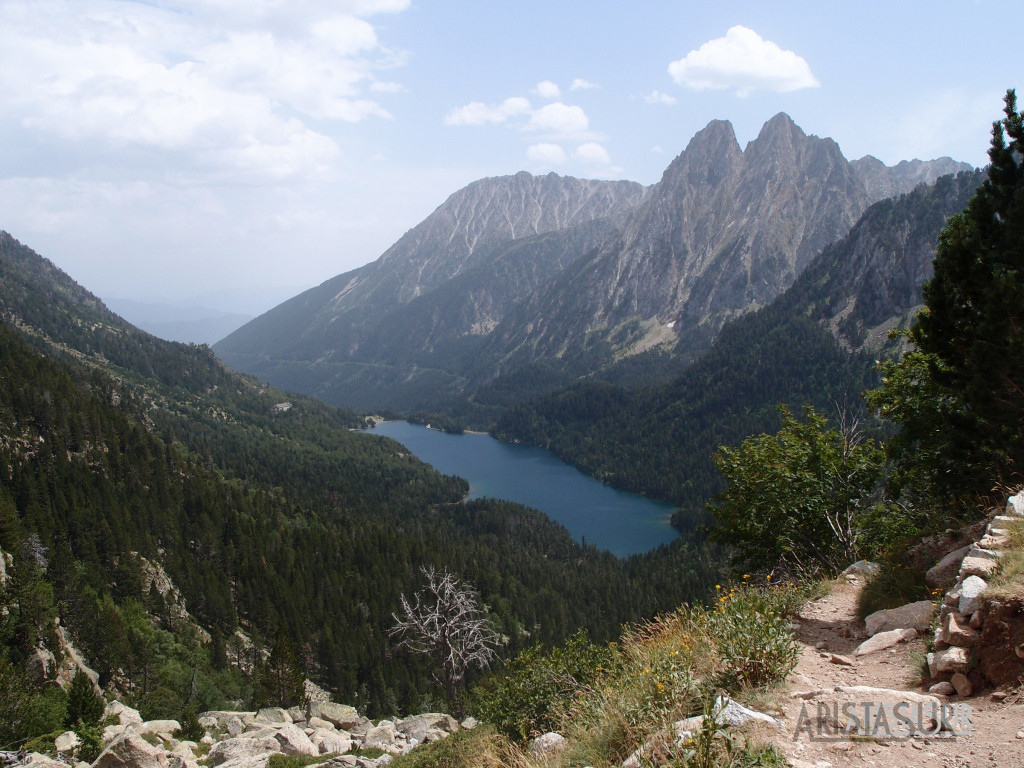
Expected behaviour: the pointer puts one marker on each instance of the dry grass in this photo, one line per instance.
(1009, 582)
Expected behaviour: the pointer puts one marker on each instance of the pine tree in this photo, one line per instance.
(973, 324)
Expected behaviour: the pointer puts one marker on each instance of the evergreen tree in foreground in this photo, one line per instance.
(961, 408)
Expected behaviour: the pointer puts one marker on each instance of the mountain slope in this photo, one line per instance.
(269, 520)
(807, 346)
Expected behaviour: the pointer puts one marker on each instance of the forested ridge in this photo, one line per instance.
(281, 522)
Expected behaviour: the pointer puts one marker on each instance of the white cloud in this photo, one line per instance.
(547, 154)
(657, 97)
(548, 90)
(579, 84)
(744, 61)
(190, 79)
(478, 113)
(559, 119)
(592, 153)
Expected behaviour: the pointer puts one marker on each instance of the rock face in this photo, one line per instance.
(514, 270)
(883, 181)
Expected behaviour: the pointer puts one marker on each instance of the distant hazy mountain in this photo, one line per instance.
(187, 324)
(882, 181)
(520, 284)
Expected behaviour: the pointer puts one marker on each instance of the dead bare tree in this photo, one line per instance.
(445, 622)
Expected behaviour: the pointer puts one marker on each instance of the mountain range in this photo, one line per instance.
(518, 285)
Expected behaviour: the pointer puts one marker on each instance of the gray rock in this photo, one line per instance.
(943, 574)
(972, 588)
(862, 568)
(884, 640)
(916, 616)
(978, 566)
(250, 761)
(130, 750)
(319, 724)
(67, 742)
(294, 741)
(734, 714)
(994, 541)
(417, 726)
(37, 760)
(297, 715)
(124, 714)
(273, 716)
(942, 689)
(948, 661)
(962, 685)
(342, 716)
(547, 743)
(331, 741)
(158, 727)
(959, 632)
(470, 723)
(1000, 524)
(234, 726)
(1015, 505)
(382, 736)
(243, 747)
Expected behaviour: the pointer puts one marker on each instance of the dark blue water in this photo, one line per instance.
(622, 522)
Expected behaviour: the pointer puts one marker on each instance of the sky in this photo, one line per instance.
(232, 153)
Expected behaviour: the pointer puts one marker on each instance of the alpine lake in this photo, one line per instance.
(596, 514)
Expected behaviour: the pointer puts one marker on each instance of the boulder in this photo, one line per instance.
(863, 568)
(331, 741)
(978, 566)
(40, 665)
(158, 727)
(382, 736)
(971, 590)
(37, 760)
(994, 541)
(1015, 505)
(112, 732)
(243, 747)
(252, 761)
(297, 715)
(734, 714)
(130, 750)
(273, 717)
(943, 574)
(234, 726)
(1000, 524)
(962, 684)
(67, 742)
(122, 713)
(947, 662)
(294, 741)
(342, 716)
(944, 688)
(417, 726)
(884, 640)
(469, 723)
(959, 632)
(916, 616)
(547, 743)
(318, 724)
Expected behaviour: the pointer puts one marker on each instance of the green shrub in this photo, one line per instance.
(537, 687)
(752, 637)
(896, 584)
